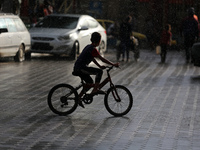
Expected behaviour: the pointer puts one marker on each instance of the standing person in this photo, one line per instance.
(48, 9)
(150, 33)
(190, 32)
(165, 41)
(88, 55)
(125, 33)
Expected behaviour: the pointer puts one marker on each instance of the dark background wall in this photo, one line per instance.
(158, 11)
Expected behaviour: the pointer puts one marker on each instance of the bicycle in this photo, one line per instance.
(63, 99)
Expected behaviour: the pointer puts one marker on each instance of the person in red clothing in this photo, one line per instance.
(48, 9)
(165, 41)
(88, 55)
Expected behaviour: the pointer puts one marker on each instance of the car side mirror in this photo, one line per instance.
(83, 28)
(2, 30)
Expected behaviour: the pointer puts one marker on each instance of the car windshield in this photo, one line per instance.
(58, 22)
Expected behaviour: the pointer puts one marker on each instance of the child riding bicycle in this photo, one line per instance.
(88, 55)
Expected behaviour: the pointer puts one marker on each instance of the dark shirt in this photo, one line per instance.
(189, 27)
(125, 31)
(86, 57)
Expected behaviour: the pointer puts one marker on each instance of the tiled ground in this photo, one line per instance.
(165, 113)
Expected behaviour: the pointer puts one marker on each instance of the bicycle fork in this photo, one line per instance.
(115, 93)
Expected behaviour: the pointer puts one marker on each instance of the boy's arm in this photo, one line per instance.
(107, 61)
(95, 61)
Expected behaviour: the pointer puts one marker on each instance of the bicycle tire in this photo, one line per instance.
(62, 99)
(123, 106)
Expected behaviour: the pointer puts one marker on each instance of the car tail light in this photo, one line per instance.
(105, 32)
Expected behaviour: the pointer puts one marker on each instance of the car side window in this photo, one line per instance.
(19, 25)
(92, 23)
(2, 23)
(11, 25)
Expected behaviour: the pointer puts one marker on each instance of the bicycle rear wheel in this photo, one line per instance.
(118, 100)
(63, 99)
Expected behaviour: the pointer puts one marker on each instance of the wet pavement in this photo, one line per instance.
(165, 113)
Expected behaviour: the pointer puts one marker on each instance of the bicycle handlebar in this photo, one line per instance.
(109, 68)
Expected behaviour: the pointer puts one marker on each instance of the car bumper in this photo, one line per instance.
(52, 47)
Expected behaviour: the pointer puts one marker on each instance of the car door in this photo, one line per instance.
(22, 34)
(84, 35)
(13, 36)
(5, 40)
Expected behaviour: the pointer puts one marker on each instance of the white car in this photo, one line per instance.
(67, 34)
(14, 37)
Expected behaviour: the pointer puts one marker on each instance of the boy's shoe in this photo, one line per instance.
(81, 104)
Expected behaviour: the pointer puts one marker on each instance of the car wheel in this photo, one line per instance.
(20, 56)
(102, 49)
(75, 51)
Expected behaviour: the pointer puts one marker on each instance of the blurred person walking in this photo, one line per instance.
(150, 33)
(165, 41)
(48, 8)
(125, 33)
(190, 32)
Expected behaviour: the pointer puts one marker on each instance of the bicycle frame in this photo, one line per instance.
(106, 80)
(102, 84)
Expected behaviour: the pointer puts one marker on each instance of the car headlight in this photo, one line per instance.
(64, 37)
(68, 37)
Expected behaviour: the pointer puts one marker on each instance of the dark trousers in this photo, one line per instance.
(85, 73)
(188, 43)
(125, 45)
(163, 53)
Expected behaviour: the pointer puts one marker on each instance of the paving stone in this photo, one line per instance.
(165, 113)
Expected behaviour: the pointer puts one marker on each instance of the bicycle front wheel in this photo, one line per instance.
(118, 100)
(63, 99)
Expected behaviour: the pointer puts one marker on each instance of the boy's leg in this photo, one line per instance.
(87, 79)
(94, 71)
(99, 73)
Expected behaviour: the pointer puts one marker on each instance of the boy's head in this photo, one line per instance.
(168, 27)
(96, 37)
